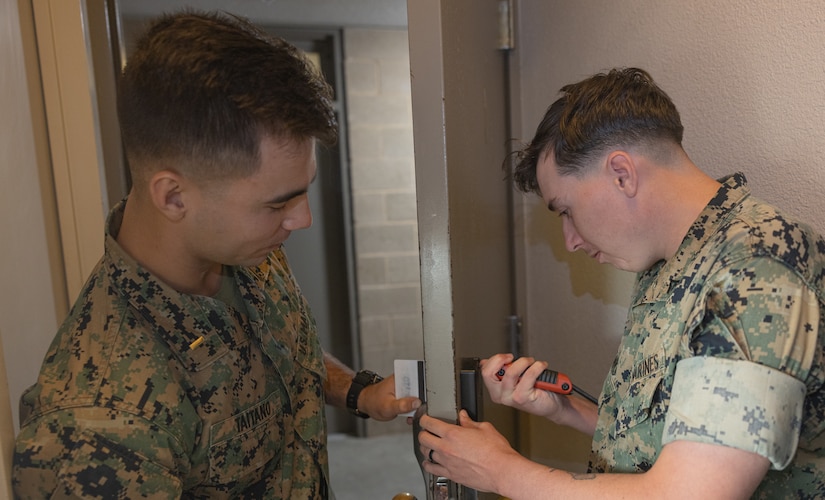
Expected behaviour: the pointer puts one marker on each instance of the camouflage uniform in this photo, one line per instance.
(723, 344)
(147, 392)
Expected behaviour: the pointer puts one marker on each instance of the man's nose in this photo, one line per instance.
(572, 240)
(299, 215)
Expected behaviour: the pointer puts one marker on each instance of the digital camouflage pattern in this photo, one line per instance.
(724, 344)
(147, 392)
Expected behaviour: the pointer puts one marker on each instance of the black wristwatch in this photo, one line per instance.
(361, 380)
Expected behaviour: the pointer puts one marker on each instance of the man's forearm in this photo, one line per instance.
(579, 414)
(338, 381)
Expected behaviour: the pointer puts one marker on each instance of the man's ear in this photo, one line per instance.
(622, 170)
(166, 192)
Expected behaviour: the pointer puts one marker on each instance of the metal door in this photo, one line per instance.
(459, 97)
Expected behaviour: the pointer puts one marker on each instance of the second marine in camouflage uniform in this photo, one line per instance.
(178, 392)
(714, 355)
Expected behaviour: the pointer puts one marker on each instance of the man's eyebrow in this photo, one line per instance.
(551, 205)
(292, 194)
(286, 197)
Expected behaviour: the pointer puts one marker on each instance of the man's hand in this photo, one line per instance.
(516, 389)
(379, 401)
(471, 453)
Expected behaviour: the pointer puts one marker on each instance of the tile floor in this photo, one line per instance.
(375, 468)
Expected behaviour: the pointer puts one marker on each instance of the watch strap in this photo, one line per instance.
(361, 380)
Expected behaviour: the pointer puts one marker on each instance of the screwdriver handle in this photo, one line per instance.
(549, 380)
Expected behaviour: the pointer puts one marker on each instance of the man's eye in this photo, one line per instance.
(564, 213)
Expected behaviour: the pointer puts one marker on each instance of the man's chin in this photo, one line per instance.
(255, 260)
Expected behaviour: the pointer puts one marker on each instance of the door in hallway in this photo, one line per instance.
(459, 97)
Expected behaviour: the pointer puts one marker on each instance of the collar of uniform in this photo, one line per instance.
(661, 279)
(176, 317)
(252, 283)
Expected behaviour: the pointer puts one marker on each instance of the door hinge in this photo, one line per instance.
(506, 39)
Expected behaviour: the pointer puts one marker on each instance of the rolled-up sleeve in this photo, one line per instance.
(736, 403)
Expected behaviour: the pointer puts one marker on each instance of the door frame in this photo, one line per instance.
(460, 108)
(74, 125)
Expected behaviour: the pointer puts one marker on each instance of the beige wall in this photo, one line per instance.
(748, 77)
(32, 296)
(379, 119)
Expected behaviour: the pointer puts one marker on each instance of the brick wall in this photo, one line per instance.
(379, 111)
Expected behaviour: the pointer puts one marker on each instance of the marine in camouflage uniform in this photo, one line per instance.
(724, 345)
(148, 392)
(716, 391)
(190, 364)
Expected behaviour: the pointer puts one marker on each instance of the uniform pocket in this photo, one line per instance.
(244, 443)
(101, 468)
(637, 396)
(638, 405)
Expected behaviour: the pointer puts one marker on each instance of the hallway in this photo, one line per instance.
(375, 468)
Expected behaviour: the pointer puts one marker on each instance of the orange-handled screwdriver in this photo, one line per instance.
(553, 381)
